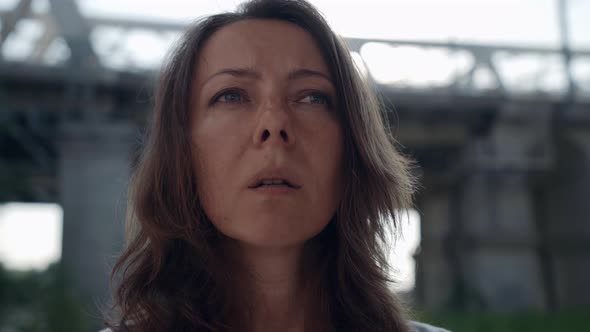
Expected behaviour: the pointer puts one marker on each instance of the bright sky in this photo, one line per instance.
(30, 235)
(494, 22)
(401, 256)
(532, 22)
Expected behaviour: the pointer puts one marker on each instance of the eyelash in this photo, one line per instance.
(326, 97)
(215, 100)
(244, 97)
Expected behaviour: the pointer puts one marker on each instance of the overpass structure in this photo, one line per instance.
(504, 170)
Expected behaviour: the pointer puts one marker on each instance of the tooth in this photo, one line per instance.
(277, 182)
(267, 182)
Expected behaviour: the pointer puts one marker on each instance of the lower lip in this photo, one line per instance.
(274, 190)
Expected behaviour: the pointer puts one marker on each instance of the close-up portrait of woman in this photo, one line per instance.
(266, 187)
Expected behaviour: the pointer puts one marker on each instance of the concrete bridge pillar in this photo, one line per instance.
(498, 251)
(93, 176)
(564, 212)
(498, 233)
(434, 272)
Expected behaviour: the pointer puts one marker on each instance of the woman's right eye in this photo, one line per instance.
(229, 97)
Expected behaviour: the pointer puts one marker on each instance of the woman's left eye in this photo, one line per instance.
(315, 98)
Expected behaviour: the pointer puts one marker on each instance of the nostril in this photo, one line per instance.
(284, 135)
(265, 135)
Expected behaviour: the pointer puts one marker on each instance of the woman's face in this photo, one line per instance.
(268, 145)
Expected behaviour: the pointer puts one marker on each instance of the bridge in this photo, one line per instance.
(504, 162)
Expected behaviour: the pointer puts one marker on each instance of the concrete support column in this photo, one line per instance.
(93, 177)
(498, 234)
(434, 274)
(564, 211)
(499, 260)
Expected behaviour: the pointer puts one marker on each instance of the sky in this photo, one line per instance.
(522, 23)
(528, 22)
(30, 235)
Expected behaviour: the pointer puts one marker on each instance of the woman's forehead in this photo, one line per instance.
(262, 44)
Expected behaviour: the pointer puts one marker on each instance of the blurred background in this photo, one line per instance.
(491, 98)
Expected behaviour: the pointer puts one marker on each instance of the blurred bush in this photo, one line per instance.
(513, 322)
(36, 301)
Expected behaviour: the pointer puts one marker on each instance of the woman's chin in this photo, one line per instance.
(273, 232)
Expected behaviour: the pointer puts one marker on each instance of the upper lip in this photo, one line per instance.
(274, 174)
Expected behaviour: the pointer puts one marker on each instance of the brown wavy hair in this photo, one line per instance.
(173, 276)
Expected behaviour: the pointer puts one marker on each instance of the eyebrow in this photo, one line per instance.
(253, 74)
(303, 73)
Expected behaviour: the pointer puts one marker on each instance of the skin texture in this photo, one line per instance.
(263, 107)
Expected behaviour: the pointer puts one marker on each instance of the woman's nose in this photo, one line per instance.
(274, 127)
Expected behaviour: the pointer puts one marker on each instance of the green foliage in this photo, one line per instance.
(39, 302)
(514, 322)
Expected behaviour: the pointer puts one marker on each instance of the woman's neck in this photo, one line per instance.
(275, 279)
